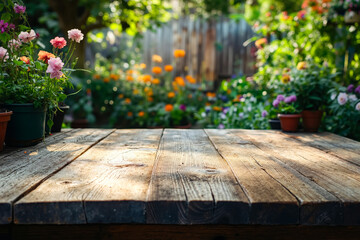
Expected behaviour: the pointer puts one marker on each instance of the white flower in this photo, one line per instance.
(357, 107)
(353, 98)
(333, 96)
(241, 115)
(342, 98)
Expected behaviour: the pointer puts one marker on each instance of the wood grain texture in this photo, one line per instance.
(24, 169)
(180, 232)
(271, 203)
(338, 177)
(192, 184)
(341, 147)
(107, 184)
(317, 206)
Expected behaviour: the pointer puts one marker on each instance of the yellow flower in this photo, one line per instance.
(180, 81)
(155, 81)
(168, 68)
(285, 78)
(157, 58)
(179, 53)
(171, 94)
(135, 92)
(169, 107)
(156, 70)
(301, 65)
(141, 114)
(142, 65)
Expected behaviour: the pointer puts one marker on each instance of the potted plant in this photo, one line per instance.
(31, 80)
(311, 84)
(288, 112)
(4, 119)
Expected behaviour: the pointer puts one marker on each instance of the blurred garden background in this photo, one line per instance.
(207, 63)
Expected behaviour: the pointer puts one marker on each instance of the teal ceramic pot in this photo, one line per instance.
(27, 125)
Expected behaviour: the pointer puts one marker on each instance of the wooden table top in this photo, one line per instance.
(171, 176)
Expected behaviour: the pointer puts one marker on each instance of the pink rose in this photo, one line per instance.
(27, 37)
(75, 35)
(342, 98)
(14, 44)
(3, 54)
(58, 42)
(19, 9)
(55, 65)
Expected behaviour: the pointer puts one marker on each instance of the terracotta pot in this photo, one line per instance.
(275, 124)
(4, 119)
(311, 120)
(289, 122)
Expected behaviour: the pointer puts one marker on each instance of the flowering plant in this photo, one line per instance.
(27, 74)
(286, 105)
(311, 84)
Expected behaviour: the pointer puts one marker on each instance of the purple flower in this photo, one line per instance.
(12, 26)
(221, 126)
(276, 103)
(293, 98)
(280, 98)
(182, 107)
(3, 26)
(350, 88)
(287, 100)
(226, 110)
(264, 113)
(19, 9)
(357, 90)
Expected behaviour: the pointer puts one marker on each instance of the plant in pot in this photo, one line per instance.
(31, 81)
(288, 112)
(311, 84)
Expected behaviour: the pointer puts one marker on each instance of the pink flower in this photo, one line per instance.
(19, 9)
(14, 44)
(54, 68)
(342, 98)
(3, 54)
(27, 37)
(75, 35)
(58, 42)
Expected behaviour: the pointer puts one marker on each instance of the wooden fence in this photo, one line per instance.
(214, 48)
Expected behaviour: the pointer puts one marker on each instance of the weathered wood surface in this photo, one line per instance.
(23, 170)
(192, 184)
(107, 184)
(182, 177)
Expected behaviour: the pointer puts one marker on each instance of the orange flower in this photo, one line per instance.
(211, 95)
(45, 56)
(96, 76)
(218, 109)
(121, 96)
(129, 114)
(228, 91)
(129, 78)
(141, 114)
(26, 60)
(156, 70)
(169, 107)
(150, 99)
(171, 94)
(114, 77)
(175, 86)
(146, 78)
(180, 81)
(190, 79)
(207, 104)
(168, 68)
(88, 91)
(179, 53)
(190, 96)
(127, 100)
(260, 43)
(157, 58)
(130, 71)
(106, 80)
(142, 65)
(156, 81)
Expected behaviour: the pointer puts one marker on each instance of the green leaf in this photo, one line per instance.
(6, 17)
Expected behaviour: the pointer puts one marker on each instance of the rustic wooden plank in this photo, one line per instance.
(24, 170)
(340, 178)
(271, 203)
(107, 184)
(180, 232)
(317, 206)
(339, 146)
(192, 184)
